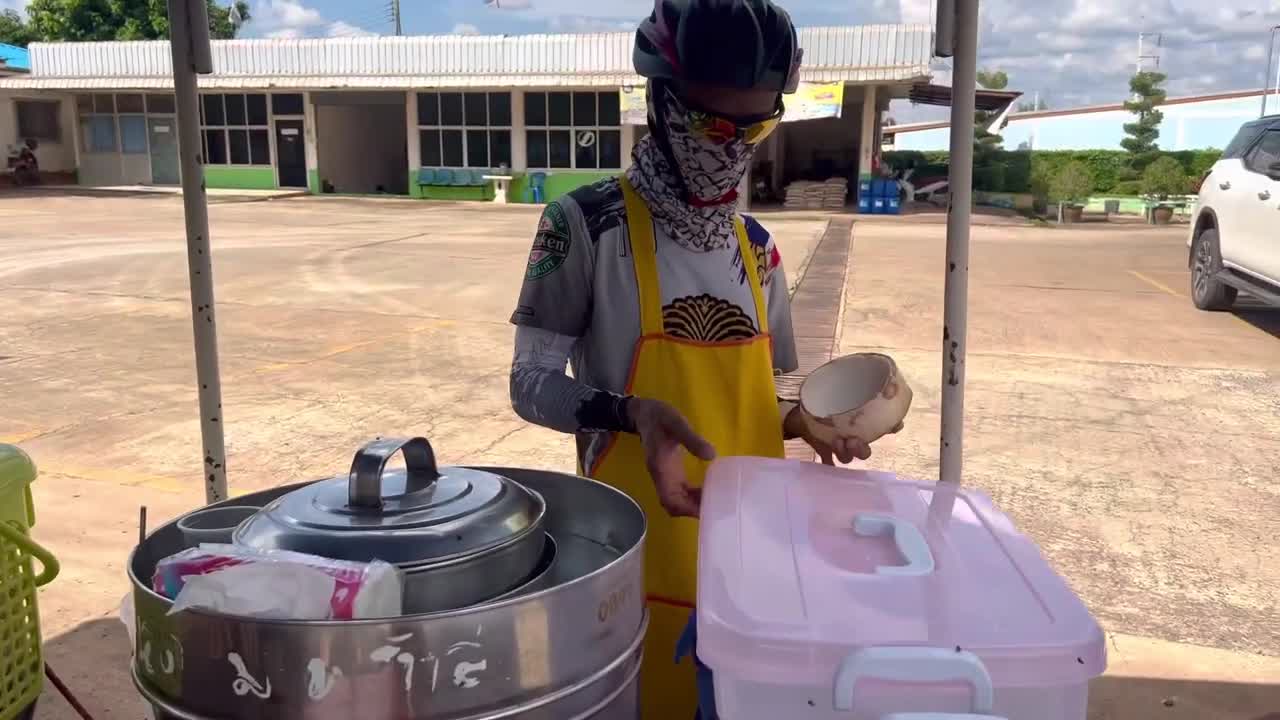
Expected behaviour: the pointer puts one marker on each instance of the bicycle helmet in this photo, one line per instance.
(745, 44)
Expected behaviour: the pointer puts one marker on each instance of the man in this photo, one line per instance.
(671, 308)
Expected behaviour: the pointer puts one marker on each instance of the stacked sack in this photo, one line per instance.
(807, 195)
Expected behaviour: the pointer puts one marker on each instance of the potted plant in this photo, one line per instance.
(1162, 179)
(1071, 188)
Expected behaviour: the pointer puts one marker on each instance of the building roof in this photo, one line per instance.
(985, 100)
(860, 54)
(1085, 110)
(13, 57)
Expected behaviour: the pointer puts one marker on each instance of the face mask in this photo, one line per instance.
(710, 164)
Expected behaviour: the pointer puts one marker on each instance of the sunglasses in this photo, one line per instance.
(721, 129)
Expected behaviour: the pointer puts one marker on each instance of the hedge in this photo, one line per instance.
(1013, 170)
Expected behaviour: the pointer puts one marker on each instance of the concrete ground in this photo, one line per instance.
(1132, 436)
(339, 320)
(1136, 438)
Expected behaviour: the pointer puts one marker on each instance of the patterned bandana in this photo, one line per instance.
(711, 168)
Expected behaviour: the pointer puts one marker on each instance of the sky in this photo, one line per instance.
(1071, 52)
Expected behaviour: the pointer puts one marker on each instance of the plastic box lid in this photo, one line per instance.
(800, 565)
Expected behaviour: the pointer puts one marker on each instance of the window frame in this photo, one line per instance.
(226, 127)
(1247, 159)
(19, 102)
(573, 129)
(440, 127)
(85, 118)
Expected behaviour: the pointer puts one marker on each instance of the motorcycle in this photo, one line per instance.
(23, 164)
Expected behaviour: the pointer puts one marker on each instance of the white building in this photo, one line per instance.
(364, 115)
(1190, 123)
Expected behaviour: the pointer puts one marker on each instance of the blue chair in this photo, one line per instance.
(461, 177)
(534, 190)
(426, 176)
(444, 176)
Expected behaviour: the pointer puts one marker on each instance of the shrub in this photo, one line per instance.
(1165, 177)
(1109, 169)
(1072, 184)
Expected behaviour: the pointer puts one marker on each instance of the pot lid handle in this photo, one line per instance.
(364, 484)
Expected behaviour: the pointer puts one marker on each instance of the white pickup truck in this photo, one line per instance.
(1235, 232)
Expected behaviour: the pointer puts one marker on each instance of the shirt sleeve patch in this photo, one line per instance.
(550, 244)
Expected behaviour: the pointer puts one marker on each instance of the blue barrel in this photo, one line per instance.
(864, 203)
(878, 205)
(892, 205)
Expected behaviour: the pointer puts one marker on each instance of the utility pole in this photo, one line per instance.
(1266, 74)
(395, 16)
(1143, 55)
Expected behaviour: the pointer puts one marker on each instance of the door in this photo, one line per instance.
(163, 135)
(1258, 246)
(291, 154)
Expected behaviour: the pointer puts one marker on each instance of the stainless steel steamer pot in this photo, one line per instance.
(461, 536)
(569, 651)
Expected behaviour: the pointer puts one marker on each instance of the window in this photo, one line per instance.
(235, 129)
(133, 134)
(470, 129)
(161, 104)
(129, 104)
(97, 123)
(38, 119)
(287, 104)
(99, 133)
(1265, 154)
(581, 130)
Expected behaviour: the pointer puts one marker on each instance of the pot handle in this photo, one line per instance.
(364, 484)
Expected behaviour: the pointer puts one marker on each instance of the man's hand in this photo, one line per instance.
(665, 435)
(845, 450)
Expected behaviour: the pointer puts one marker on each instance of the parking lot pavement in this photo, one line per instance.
(1136, 438)
(338, 320)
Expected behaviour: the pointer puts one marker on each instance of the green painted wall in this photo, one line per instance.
(313, 182)
(240, 178)
(558, 183)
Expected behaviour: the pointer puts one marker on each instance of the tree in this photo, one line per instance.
(1165, 177)
(990, 80)
(1035, 105)
(993, 79)
(988, 171)
(1148, 92)
(87, 20)
(1073, 184)
(14, 30)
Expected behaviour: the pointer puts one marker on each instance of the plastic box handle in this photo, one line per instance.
(910, 543)
(923, 665)
(48, 562)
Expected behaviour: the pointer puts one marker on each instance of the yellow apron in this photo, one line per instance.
(726, 391)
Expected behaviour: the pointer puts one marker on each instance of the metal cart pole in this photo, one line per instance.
(955, 314)
(191, 52)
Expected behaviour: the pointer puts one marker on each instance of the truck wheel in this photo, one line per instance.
(1207, 291)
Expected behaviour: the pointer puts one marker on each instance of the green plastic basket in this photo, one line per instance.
(21, 658)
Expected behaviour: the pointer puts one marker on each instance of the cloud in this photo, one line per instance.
(465, 29)
(282, 19)
(583, 24)
(292, 19)
(341, 28)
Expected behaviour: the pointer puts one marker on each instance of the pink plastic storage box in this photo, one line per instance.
(854, 595)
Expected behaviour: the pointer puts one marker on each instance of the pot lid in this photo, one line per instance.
(419, 515)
